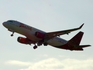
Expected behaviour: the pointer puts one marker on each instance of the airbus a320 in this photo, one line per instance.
(39, 37)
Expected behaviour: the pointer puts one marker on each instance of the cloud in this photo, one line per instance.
(17, 63)
(55, 64)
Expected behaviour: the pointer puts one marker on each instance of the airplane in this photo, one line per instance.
(39, 37)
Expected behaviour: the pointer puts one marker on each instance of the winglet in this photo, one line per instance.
(81, 26)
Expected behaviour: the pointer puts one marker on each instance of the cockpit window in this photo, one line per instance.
(10, 21)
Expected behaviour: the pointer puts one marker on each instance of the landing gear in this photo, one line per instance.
(40, 43)
(45, 44)
(12, 34)
(35, 47)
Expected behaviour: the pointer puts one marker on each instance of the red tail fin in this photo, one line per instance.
(76, 39)
(73, 44)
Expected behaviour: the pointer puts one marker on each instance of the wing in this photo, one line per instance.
(58, 33)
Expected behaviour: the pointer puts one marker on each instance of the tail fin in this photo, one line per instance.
(73, 44)
(76, 39)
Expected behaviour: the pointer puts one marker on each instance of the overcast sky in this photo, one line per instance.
(47, 15)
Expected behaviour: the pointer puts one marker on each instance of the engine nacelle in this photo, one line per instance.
(23, 40)
(40, 35)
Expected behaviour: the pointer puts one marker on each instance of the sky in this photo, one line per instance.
(49, 16)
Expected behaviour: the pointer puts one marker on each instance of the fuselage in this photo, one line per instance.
(29, 32)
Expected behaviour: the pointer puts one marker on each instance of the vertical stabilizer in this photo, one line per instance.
(76, 39)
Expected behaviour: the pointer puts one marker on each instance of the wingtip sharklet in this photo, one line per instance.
(81, 26)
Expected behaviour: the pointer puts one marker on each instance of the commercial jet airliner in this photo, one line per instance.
(38, 37)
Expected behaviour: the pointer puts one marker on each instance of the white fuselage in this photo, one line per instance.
(29, 32)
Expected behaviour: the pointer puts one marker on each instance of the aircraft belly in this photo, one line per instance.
(57, 42)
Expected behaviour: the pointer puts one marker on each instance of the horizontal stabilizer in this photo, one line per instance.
(82, 46)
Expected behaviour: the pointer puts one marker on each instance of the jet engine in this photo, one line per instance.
(24, 40)
(40, 35)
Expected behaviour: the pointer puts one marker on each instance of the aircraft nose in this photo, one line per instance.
(4, 24)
